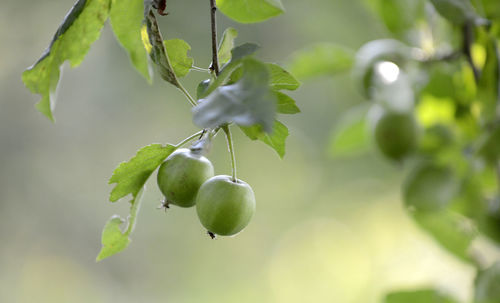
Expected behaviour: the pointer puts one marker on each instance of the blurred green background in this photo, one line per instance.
(326, 230)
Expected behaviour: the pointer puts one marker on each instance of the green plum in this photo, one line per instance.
(396, 134)
(181, 175)
(224, 206)
(430, 187)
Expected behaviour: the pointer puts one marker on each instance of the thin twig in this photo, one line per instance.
(199, 69)
(446, 57)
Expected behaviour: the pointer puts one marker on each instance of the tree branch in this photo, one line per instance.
(468, 40)
(215, 60)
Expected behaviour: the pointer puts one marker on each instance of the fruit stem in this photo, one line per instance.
(229, 138)
(200, 69)
(186, 93)
(192, 137)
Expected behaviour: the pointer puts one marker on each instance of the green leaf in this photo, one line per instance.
(492, 9)
(126, 20)
(488, 285)
(202, 88)
(489, 221)
(177, 54)
(285, 104)
(454, 232)
(322, 59)
(81, 27)
(238, 54)
(489, 145)
(156, 48)
(441, 83)
(399, 16)
(131, 176)
(418, 296)
(276, 139)
(489, 82)
(456, 11)
(113, 239)
(281, 79)
(351, 136)
(245, 11)
(226, 45)
(246, 102)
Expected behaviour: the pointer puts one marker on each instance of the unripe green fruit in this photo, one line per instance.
(430, 187)
(225, 207)
(396, 134)
(181, 175)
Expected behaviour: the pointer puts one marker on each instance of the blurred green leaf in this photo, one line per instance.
(488, 285)
(226, 45)
(113, 239)
(235, 75)
(72, 40)
(489, 82)
(450, 82)
(489, 223)
(418, 296)
(126, 20)
(454, 232)
(479, 201)
(470, 201)
(276, 139)
(436, 139)
(430, 187)
(436, 111)
(237, 55)
(246, 102)
(322, 59)
(281, 79)
(489, 145)
(492, 9)
(177, 54)
(441, 82)
(131, 176)
(351, 136)
(399, 15)
(156, 48)
(285, 104)
(202, 88)
(456, 11)
(253, 11)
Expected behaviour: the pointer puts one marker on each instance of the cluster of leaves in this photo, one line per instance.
(441, 65)
(246, 92)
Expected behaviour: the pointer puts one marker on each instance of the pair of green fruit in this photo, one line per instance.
(430, 186)
(224, 206)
